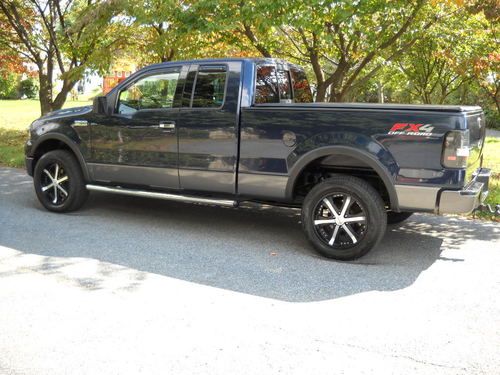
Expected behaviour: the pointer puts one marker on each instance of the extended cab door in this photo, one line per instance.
(137, 143)
(208, 128)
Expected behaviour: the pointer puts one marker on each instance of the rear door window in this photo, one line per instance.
(205, 88)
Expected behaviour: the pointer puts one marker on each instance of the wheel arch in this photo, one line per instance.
(55, 141)
(363, 156)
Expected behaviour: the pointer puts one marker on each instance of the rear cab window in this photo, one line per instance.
(301, 89)
(277, 84)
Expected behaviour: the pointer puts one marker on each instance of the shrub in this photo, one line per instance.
(8, 86)
(492, 119)
(29, 88)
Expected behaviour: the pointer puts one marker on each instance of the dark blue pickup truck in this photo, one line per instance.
(231, 130)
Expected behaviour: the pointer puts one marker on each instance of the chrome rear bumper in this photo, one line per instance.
(468, 199)
(417, 198)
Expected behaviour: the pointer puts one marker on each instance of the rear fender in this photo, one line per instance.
(373, 155)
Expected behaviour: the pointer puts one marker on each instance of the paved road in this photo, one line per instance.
(135, 286)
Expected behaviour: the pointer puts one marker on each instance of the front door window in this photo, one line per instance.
(152, 92)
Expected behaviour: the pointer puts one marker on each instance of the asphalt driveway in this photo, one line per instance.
(136, 286)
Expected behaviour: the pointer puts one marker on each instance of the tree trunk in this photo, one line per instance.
(380, 92)
(321, 92)
(44, 93)
(63, 94)
(338, 96)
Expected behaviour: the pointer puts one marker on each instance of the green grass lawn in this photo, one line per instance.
(16, 115)
(491, 159)
(19, 114)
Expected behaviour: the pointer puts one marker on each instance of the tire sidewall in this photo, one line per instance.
(374, 211)
(66, 161)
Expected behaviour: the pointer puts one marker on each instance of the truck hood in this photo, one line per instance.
(67, 112)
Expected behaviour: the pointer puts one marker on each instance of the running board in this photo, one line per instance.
(164, 196)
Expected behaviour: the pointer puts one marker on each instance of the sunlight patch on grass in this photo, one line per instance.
(12, 147)
(19, 114)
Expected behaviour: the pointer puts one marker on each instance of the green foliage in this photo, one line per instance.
(420, 51)
(442, 61)
(8, 86)
(491, 159)
(28, 88)
(66, 37)
(492, 119)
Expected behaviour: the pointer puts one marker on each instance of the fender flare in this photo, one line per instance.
(363, 156)
(68, 142)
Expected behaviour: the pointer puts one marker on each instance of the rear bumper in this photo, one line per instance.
(468, 199)
(417, 198)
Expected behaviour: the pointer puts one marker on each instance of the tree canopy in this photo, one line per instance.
(428, 51)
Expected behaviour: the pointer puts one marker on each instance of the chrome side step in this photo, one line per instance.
(165, 196)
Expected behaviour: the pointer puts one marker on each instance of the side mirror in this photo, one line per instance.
(100, 105)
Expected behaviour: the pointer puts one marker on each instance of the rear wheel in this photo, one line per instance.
(397, 217)
(59, 183)
(344, 217)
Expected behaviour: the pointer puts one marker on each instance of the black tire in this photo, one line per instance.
(364, 202)
(70, 192)
(397, 217)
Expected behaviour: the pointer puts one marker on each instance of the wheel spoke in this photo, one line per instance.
(326, 221)
(62, 190)
(62, 179)
(330, 207)
(354, 219)
(348, 231)
(48, 174)
(55, 195)
(56, 174)
(45, 188)
(347, 204)
(334, 236)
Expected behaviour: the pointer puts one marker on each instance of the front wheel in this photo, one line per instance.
(344, 217)
(59, 183)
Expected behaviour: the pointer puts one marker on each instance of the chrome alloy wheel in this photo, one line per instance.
(340, 220)
(55, 183)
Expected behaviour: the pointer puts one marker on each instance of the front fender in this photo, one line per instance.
(70, 143)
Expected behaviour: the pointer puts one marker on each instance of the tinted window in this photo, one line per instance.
(188, 89)
(301, 89)
(266, 86)
(285, 88)
(209, 88)
(152, 92)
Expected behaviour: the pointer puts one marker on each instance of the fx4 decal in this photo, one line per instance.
(411, 129)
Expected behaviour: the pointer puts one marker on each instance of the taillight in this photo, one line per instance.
(456, 149)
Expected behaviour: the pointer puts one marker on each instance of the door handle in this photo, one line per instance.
(167, 125)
